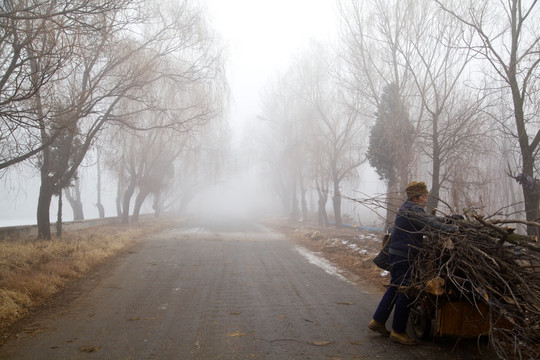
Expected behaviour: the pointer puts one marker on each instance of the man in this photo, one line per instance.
(406, 240)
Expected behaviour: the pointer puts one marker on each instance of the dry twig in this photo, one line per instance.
(490, 265)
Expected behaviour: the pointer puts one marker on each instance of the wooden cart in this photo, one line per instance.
(437, 314)
(452, 318)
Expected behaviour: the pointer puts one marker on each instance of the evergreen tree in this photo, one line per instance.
(391, 136)
(390, 144)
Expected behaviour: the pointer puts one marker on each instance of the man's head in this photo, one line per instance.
(416, 190)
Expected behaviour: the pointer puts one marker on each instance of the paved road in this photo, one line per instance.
(215, 291)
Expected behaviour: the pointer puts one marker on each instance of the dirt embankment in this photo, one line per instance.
(350, 249)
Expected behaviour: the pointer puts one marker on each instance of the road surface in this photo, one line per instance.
(230, 290)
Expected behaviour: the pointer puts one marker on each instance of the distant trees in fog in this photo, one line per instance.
(435, 90)
(75, 70)
(465, 77)
(318, 129)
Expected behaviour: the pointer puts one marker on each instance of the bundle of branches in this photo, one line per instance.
(489, 264)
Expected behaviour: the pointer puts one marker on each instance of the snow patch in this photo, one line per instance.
(321, 262)
(353, 246)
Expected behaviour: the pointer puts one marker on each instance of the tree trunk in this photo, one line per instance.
(435, 193)
(527, 149)
(77, 207)
(322, 215)
(75, 202)
(127, 199)
(119, 195)
(158, 204)
(119, 201)
(336, 200)
(303, 202)
(393, 201)
(43, 210)
(295, 211)
(532, 200)
(139, 200)
(101, 210)
(46, 189)
(531, 195)
(59, 217)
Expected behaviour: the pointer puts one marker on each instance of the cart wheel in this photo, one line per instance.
(421, 322)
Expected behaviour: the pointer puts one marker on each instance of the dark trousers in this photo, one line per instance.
(400, 273)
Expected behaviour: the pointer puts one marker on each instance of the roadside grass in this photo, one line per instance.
(32, 271)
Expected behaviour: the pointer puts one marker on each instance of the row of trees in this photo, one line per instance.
(136, 80)
(445, 88)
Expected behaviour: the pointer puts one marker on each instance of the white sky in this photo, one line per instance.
(262, 37)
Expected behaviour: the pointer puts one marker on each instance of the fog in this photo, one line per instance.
(261, 39)
(263, 108)
(238, 197)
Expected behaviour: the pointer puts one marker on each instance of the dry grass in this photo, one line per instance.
(32, 271)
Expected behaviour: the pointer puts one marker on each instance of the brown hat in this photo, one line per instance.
(416, 188)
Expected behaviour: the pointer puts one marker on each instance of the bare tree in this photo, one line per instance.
(375, 51)
(283, 124)
(507, 38)
(73, 194)
(319, 162)
(451, 123)
(147, 160)
(36, 41)
(422, 58)
(315, 133)
(72, 109)
(158, 170)
(121, 64)
(338, 120)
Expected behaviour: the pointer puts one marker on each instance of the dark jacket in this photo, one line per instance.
(409, 228)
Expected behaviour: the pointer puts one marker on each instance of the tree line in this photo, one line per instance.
(140, 83)
(444, 91)
(440, 90)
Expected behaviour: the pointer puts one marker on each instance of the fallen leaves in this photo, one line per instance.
(321, 342)
(88, 349)
(236, 334)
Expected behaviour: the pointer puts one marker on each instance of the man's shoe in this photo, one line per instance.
(402, 338)
(378, 327)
